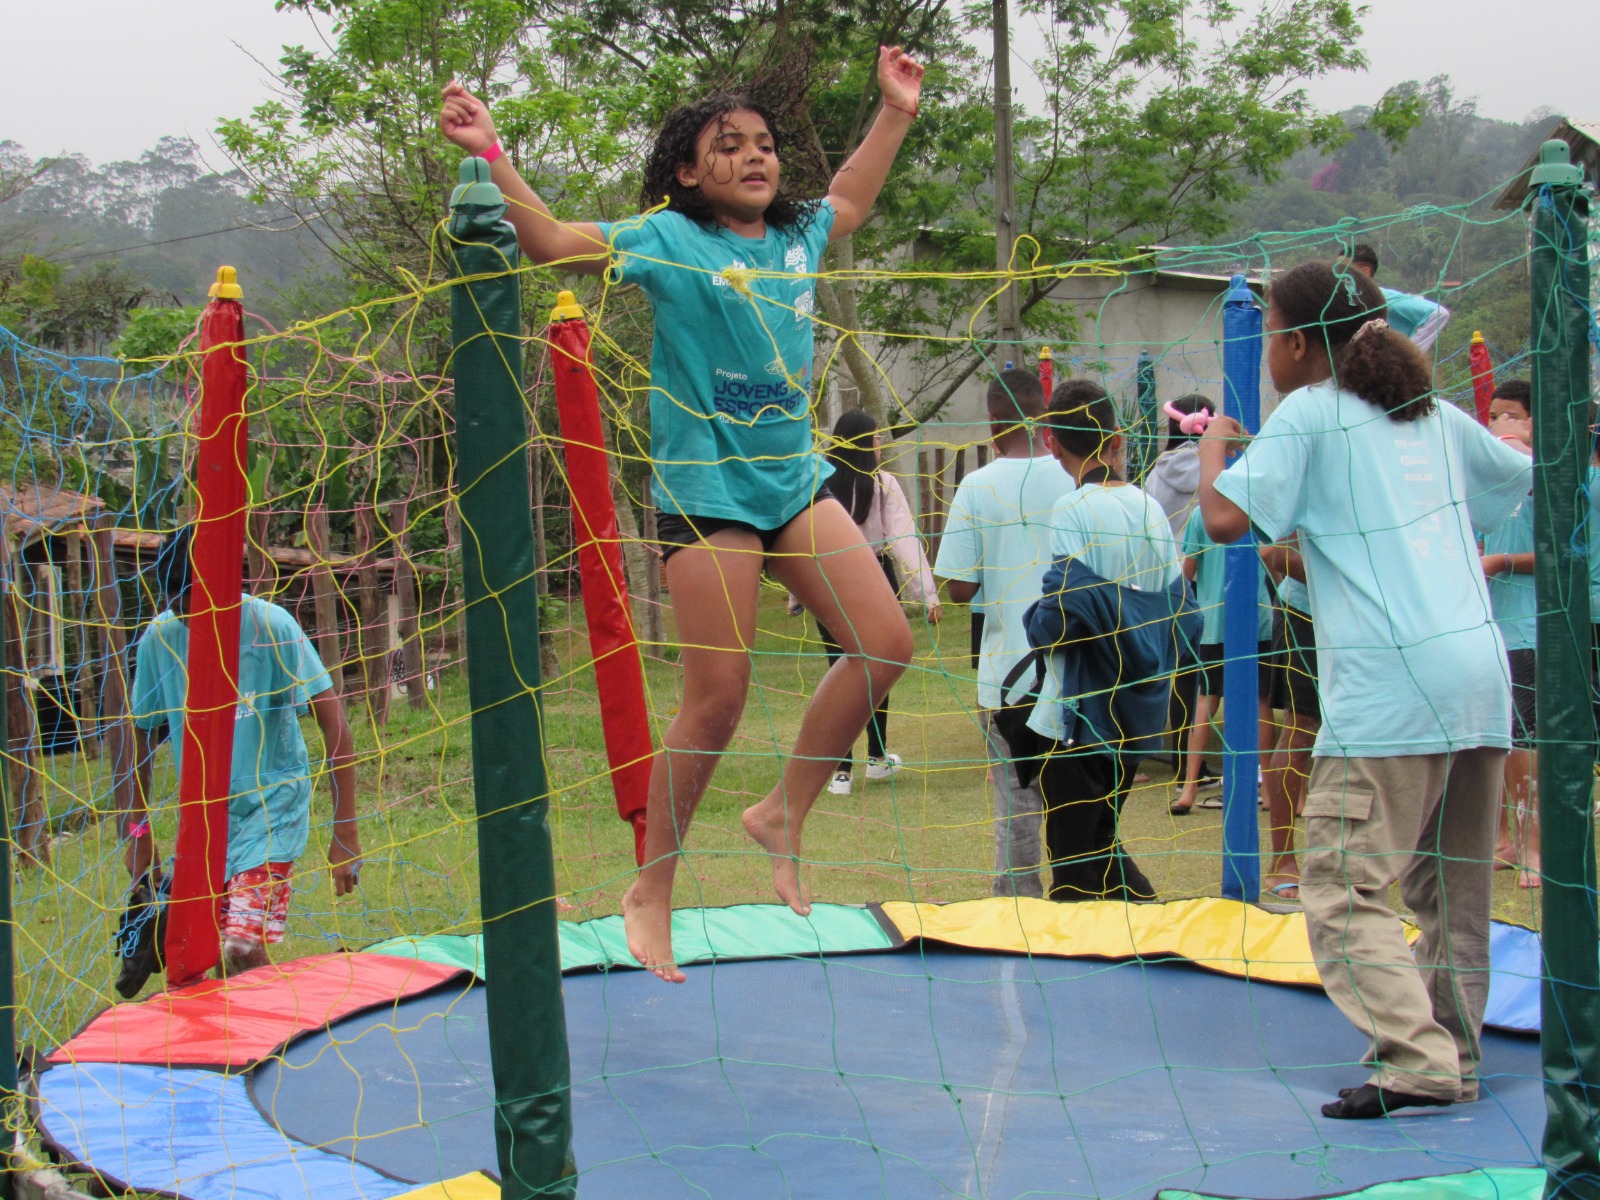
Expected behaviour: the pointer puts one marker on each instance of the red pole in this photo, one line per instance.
(1482, 376)
(1047, 372)
(205, 783)
(618, 669)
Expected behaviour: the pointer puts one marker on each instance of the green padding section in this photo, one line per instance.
(450, 950)
(743, 931)
(1522, 1183)
(698, 935)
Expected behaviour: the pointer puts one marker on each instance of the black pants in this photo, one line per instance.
(1083, 795)
(877, 724)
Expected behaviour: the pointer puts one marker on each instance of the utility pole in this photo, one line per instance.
(1008, 331)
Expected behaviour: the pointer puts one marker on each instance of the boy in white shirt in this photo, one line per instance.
(997, 542)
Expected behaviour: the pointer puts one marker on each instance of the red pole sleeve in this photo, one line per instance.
(1482, 376)
(618, 669)
(205, 781)
(1047, 372)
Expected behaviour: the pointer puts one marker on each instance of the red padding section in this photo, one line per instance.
(1482, 379)
(239, 1022)
(217, 553)
(618, 671)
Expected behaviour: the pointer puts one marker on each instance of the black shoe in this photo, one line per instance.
(140, 934)
(1369, 1101)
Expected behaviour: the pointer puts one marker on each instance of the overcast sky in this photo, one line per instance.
(107, 78)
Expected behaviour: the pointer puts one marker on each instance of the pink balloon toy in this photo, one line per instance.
(1190, 423)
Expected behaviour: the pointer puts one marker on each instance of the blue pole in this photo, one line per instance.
(1241, 828)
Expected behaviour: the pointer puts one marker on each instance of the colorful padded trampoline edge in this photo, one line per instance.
(1508, 1183)
(1226, 936)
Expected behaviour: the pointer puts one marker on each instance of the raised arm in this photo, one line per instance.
(576, 246)
(855, 188)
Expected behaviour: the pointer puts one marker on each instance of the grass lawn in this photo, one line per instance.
(923, 835)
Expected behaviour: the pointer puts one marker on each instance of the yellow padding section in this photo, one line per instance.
(1220, 935)
(476, 1186)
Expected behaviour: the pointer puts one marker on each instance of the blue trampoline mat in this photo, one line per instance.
(913, 1073)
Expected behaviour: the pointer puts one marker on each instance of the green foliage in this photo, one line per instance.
(1427, 206)
(156, 334)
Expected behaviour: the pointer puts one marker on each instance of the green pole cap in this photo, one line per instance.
(1555, 167)
(475, 187)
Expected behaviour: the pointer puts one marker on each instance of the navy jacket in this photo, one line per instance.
(1117, 647)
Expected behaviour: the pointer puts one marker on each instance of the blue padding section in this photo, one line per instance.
(195, 1133)
(1515, 968)
(921, 1073)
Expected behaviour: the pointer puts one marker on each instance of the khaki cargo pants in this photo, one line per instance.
(1428, 821)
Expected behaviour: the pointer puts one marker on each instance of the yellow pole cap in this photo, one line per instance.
(227, 285)
(1044, 354)
(567, 308)
(1477, 338)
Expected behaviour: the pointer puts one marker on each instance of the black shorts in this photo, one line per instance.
(1211, 669)
(1524, 723)
(1294, 665)
(675, 531)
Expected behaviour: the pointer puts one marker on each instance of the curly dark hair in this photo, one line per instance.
(1381, 366)
(676, 146)
(1081, 417)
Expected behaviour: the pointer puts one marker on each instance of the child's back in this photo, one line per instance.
(1410, 660)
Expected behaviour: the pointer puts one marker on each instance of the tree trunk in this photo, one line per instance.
(117, 735)
(372, 629)
(30, 829)
(323, 595)
(412, 659)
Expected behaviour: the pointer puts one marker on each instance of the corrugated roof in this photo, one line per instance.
(1583, 137)
(32, 511)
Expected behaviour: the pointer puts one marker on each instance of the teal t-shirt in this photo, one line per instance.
(730, 370)
(1407, 313)
(269, 811)
(1294, 595)
(1516, 611)
(1409, 659)
(1208, 581)
(1120, 534)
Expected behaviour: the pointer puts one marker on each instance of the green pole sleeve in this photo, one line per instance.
(521, 949)
(1570, 999)
(9, 1099)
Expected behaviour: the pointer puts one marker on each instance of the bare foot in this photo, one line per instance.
(783, 844)
(1505, 856)
(1529, 877)
(1282, 887)
(648, 923)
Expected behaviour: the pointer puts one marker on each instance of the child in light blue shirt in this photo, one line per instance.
(1385, 486)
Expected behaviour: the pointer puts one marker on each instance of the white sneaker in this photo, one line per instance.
(882, 768)
(839, 785)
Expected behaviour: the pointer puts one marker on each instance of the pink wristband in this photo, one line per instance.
(492, 153)
(139, 829)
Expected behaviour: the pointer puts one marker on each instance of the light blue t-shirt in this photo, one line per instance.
(1120, 534)
(1516, 610)
(269, 811)
(730, 370)
(1208, 583)
(1293, 593)
(1408, 656)
(1407, 313)
(998, 536)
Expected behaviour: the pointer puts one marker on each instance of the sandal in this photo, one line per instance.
(1282, 890)
(1179, 809)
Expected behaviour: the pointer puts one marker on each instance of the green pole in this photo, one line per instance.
(521, 947)
(1570, 991)
(8, 996)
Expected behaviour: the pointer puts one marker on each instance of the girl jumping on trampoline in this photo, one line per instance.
(1385, 486)
(730, 268)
